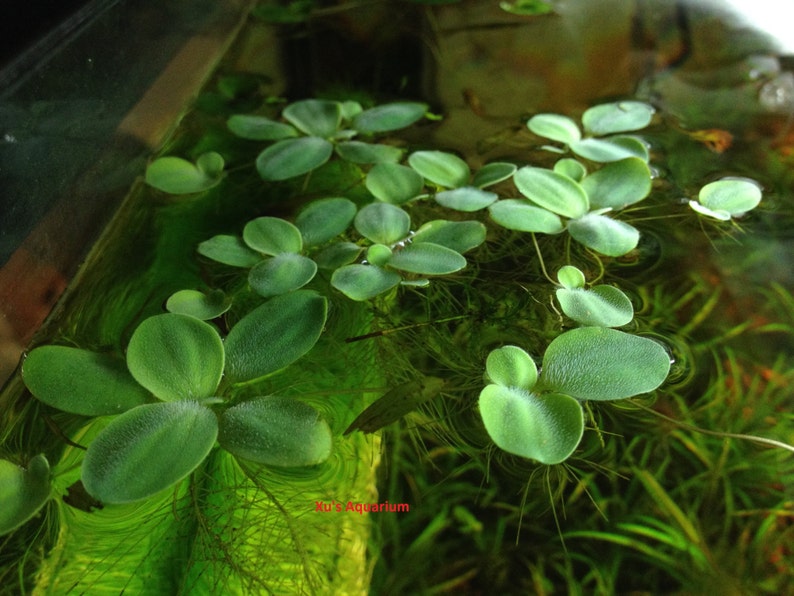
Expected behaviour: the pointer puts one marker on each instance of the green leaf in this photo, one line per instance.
(521, 215)
(276, 431)
(382, 223)
(272, 236)
(572, 168)
(178, 176)
(324, 219)
(733, 195)
(274, 335)
(620, 116)
(601, 306)
(281, 274)
(599, 363)
(720, 214)
(552, 191)
(444, 169)
(148, 449)
(23, 491)
(466, 198)
(526, 8)
(510, 366)
(546, 428)
(493, 173)
(613, 149)
(259, 128)
(365, 153)
(426, 258)
(198, 304)
(618, 184)
(570, 277)
(336, 255)
(316, 117)
(388, 117)
(394, 183)
(229, 250)
(555, 127)
(293, 157)
(603, 234)
(379, 254)
(362, 282)
(460, 236)
(81, 382)
(176, 357)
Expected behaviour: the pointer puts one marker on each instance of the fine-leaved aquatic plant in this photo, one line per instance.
(168, 401)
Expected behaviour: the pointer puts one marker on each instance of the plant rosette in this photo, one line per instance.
(164, 397)
(394, 251)
(554, 201)
(727, 198)
(540, 416)
(599, 306)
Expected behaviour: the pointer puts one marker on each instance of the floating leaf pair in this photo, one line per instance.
(540, 416)
(599, 306)
(727, 198)
(600, 120)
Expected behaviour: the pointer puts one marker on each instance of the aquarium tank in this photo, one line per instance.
(398, 297)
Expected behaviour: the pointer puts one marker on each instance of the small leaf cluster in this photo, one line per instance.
(167, 399)
(540, 415)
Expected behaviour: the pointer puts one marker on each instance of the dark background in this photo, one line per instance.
(24, 22)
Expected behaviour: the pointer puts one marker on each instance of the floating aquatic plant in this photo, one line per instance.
(727, 198)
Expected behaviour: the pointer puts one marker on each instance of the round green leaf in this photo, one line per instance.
(618, 184)
(570, 277)
(466, 198)
(272, 236)
(493, 173)
(316, 117)
(599, 363)
(603, 234)
(394, 183)
(364, 153)
(23, 491)
(274, 335)
(336, 255)
(720, 214)
(734, 195)
(572, 168)
(552, 191)
(176, 357)
(427, 258)
(178, 176)
(324, 219)
(460, 236)
(382, 223)
(147, 449)
(281, 274)
(259, 128)
(601, 306)
(379, 254)
(293, 157)
(546, 428)
(510, 366)
(621, 116)
(81, 382)
(388, 117)
(521, 215)
(444, 169)
(229, 250)
(613, 149)
(276, 431)
(555, 127)
(362, 282)
(198, 304)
